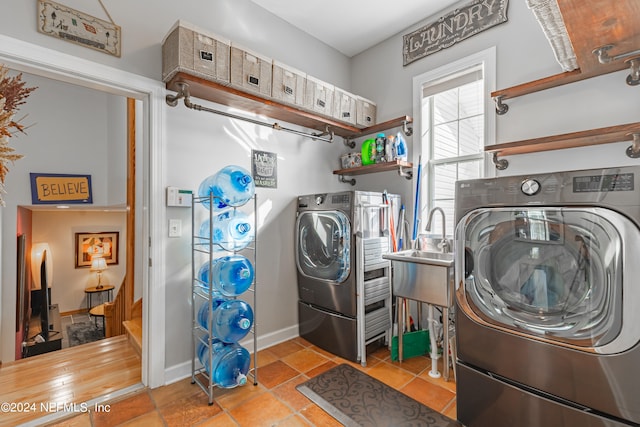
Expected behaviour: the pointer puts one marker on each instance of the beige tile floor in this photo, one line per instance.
(274, 401)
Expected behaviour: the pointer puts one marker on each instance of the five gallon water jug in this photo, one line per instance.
(229, 363)
(230, 186)
(230, 320)
(231, 231)
(231, 275)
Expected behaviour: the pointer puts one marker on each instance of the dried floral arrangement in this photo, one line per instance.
(12, 95)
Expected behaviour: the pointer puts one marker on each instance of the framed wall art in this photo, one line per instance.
(57, 20)
(89, 245)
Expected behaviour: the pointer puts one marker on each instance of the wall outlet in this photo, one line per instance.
(175, 228)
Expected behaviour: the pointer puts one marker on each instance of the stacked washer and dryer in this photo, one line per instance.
(344, 284)
(548, 288)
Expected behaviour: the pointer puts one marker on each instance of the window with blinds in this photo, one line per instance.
(452, 103)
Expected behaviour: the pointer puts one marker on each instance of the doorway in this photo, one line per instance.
(26, 57)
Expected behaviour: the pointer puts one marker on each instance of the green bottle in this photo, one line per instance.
(369, 151)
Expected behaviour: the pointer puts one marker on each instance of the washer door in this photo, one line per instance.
(557, 274)
(323, 243)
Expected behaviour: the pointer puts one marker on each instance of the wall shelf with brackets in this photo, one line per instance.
(187, 85)
(627, 132)
(404, 169)
(605, 37)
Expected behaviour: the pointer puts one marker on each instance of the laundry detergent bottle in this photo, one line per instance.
(231, 275)
(229, 320)
(228, 365)
(230, 231)
(368, 151)
(230, 186)
(401, 148)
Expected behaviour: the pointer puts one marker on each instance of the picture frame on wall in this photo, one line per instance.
(104, 244)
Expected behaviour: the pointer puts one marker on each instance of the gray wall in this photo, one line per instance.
(523, 54)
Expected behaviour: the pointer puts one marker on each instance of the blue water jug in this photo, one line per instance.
(231, 275)
(230, 320)
(230, 186)
(229, 363)
(231, 231)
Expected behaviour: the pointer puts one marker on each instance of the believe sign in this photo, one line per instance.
(51, 188)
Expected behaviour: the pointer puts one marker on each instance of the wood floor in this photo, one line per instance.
(53, 382)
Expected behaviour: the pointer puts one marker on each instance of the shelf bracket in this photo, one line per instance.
(406, 129)
(342, 179)
(326, 132)
(633, 79)
(501, 164)
(501, 108)
(349, 142)
(183, 92)
(405, 172)
(633, 150)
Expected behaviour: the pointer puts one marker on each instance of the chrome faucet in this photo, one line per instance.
(444, 245)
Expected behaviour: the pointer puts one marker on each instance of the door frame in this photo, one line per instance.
(149, 251)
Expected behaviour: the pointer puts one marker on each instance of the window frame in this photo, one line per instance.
(487, 60)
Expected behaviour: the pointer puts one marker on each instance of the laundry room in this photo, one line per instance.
(299, 98)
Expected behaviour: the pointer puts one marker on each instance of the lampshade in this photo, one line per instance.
(98, 264)
(41, 253)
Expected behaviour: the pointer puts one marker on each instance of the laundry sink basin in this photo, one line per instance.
(424, 276)
(444, 259)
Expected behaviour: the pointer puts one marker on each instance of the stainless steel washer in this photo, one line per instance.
(548, 287)
(340, 239)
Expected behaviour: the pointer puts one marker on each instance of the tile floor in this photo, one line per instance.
(274, 401)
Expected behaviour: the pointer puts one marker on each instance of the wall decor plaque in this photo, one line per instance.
(55, 188)
(265, 168)
(65, 23)
(462, 23)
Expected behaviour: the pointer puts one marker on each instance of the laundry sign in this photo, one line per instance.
(454, 27)
(51, 188)
(265, 169)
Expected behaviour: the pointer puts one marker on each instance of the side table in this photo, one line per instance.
(92, 290)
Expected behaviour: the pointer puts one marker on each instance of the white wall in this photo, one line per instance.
(199, 143)
(145, 23)
(58, 228)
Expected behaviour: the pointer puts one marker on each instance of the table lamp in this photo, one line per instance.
(98, 264)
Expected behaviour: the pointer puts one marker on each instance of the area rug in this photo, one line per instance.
(355, 399)
(83, 333)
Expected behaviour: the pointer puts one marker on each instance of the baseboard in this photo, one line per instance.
(183, 370)
(72, 312)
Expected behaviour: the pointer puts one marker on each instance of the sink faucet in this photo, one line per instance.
(444, 245)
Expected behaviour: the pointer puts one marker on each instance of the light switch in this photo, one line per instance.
(175, 228)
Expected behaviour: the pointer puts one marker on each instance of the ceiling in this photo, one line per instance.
(352, 26)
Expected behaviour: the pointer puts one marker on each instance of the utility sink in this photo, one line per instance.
(425, 276)
(444, 259)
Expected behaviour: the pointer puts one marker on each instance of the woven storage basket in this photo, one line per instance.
(250, 71)
(365, 112)
(318, 96)
(187, 48)
(288, 84)
(344, 106)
